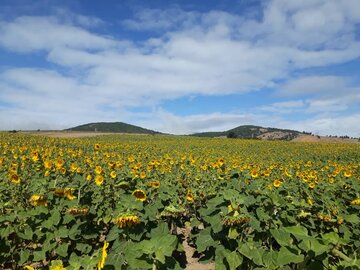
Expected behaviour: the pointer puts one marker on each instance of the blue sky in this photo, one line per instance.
(181, 66)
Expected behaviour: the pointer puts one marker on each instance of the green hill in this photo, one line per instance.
(253, 132)
(119, 127)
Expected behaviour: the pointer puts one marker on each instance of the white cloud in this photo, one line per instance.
(328, 125)
(192, 53)
(284, 107)
(29, 33)
(158, 19)
(313, 85)
(171, 123)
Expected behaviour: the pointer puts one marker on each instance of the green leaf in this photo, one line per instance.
(230, 194)
(220, 257)
(282, 237)
(332, 237)
(62, 250)
(39, 255)
(250, 251)
(61, 232)
(262, 215)
(113, 234)
(5, 232)
(233, 234)
(285, 256)
(313, 245)
(215, 222)
(160, 256)
(352, 218)
(270, 258)
(203, 241)
(234, 259)
(300, 232)
(74, 231)
(55, 217)
(74, 261)
(27, 234)
(161, 229)
(83, 248)
(24, 256)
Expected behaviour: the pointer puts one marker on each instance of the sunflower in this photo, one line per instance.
(77, 211)
(98, 169)
(139, 194)
(57, 266)
(277, 183)
(99, 179)
(38, 200)
(311, 185)
(310, 201)
(303, 214)
(127, 221)
(15, 178)
(235, 219)
(254, 173)
(96, 146)
(65, 192)
(48, 164)
(101, 263)
(142, 175)
(355, 202)
(27, 267)
(113, 174)
(189, 196)
(35, 156)
(59, 163)
(154, 184)
(88, 177)
(74, 167)
(348, 173)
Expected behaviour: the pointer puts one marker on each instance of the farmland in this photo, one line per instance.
(126, 202)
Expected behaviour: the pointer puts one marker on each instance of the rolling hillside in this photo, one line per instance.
(118, 127)
(253, 132)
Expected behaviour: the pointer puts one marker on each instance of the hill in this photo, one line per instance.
(118, 127)
(253, 132)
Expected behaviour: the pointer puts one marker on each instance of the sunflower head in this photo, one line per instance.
(139, 194)
(77, 211)
(127, 220)
(154, 184)
(99, 179)
(14, 178)
(277, 183)
(96, 146)
(38, 200)
(189, 196)
(355, 202)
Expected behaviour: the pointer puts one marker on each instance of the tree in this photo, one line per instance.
(232, 135)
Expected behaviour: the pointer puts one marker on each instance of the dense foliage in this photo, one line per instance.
(123, 202)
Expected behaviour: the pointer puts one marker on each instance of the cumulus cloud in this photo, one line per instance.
(314, 85)
(159, 19)
(30, 33)
(191, 53)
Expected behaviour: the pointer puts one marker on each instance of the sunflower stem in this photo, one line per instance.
(338, 253)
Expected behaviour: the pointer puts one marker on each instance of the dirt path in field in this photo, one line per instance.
(193, 262)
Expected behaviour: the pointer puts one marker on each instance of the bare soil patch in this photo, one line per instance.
(314, 138)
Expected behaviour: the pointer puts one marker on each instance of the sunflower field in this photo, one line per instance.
(125, 202)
